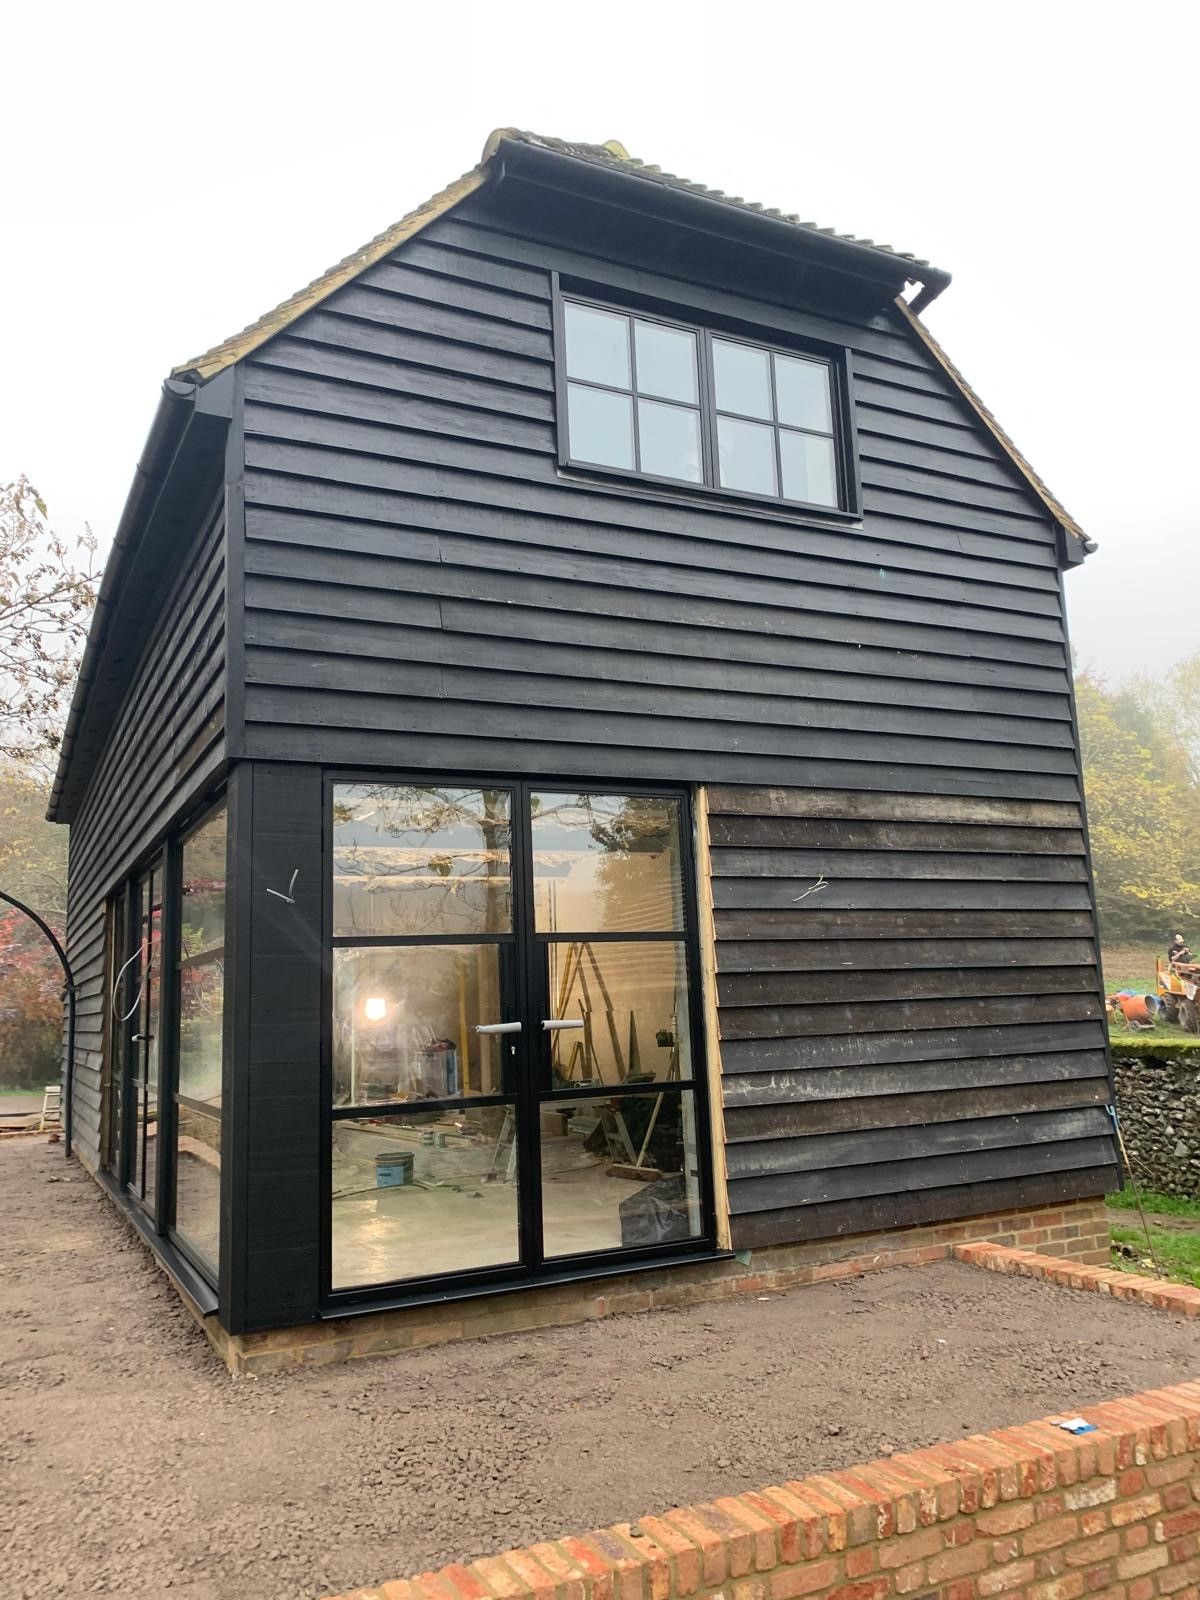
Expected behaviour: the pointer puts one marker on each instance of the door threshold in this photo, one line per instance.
(480, 1291)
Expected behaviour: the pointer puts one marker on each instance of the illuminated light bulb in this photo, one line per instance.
(375, 1008)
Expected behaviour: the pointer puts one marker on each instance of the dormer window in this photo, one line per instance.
(684, 405)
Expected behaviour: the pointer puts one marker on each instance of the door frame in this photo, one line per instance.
(527, 953)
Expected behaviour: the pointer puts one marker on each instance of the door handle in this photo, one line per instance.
(497, 1027)
(552, 1024)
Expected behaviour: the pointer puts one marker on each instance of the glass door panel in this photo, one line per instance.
(619, 1166)
(420, 1194)
(619, 1173)
(606, 863)
(625, 1010)
(405, 1020)
(426, 1165)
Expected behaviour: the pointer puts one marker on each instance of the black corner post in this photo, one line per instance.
(69, 996)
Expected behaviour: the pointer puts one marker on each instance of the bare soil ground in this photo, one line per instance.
(131, 1464)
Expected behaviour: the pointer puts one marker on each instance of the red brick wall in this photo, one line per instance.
(1028, 1513)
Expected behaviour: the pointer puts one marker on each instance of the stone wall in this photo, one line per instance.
(1158, 1102)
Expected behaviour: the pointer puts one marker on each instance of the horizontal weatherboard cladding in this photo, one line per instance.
(424, 587)
(166, 741)
(897, 1062)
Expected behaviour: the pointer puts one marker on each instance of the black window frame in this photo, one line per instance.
(157, 1223)
(438, 1287)
(835, 357)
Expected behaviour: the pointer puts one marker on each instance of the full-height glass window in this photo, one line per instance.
(200, 972)
(662, 400)
(143, 1021)
(423, 1089)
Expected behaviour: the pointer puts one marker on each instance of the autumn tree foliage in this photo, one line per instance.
(47, 591)
(1141, 768)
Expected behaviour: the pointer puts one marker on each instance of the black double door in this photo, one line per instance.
(515, 1072)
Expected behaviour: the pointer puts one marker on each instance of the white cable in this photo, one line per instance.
(117, 984)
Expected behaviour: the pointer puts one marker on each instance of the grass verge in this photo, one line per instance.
(1175, 1248)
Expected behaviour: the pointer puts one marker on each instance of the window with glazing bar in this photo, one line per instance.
(685, 405)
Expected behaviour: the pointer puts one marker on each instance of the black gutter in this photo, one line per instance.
(69, 996)
(858, 260)
(162, 442)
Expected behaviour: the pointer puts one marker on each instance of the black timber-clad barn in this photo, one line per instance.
(575, 769)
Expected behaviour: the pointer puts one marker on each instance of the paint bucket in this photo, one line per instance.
(393, 1169)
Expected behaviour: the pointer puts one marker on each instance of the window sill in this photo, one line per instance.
(636, 486)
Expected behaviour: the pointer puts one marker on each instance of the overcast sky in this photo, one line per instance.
(170, 172)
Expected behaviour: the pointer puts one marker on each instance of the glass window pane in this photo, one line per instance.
(606, 863)
(600, 426)
(198, 1183)
(747, 456)
(802, 393)
(201, 1018)
(597, 345)
(670, 441)
(666, 362)
(619, 1173)
(742, 378)
(629, 1007)
(809, 468)
(203, 887)
(404, 1022)
(422, 1193)
(415, 860)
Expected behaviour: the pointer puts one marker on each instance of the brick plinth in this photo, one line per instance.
(1178, 1297)
(1028, 1513)
(1076, 1230)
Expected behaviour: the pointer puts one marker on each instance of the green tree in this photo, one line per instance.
(1143, 813)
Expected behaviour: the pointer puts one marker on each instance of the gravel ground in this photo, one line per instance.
(131, 1464)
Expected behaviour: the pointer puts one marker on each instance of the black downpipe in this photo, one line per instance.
(69, 997)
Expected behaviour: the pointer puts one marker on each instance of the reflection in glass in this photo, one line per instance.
(809, 467)
(200, 969)
(619, 1173)
(747, 455)
(666, 362)
(802, 393)
(742, 378)
(422, 1193)
(606, 863)
(601, 426)
(415, 860)
(630, 1006)
(202, 961)
(597, 345)
(669, 437)
(198, 1182)
(404, 1022)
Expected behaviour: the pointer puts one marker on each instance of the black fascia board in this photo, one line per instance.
(660, 201)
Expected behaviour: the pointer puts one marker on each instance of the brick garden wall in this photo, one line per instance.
(1028, 1513)
(1158, 1100)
